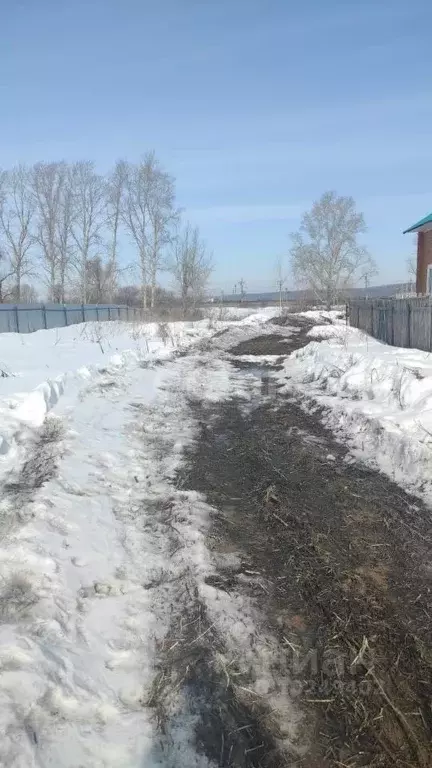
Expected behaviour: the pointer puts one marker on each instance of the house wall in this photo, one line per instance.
(424, 258)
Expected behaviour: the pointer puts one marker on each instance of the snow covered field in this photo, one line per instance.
(377, 397)
(92, 569)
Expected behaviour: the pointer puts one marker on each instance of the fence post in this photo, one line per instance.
(127, 312)
(97, 313)
(83, 313)
(44, 315)
(65, 315)
(118, 312)
(372, 328)
(17, 318)
(392, 323)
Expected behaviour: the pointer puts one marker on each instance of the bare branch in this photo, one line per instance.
(191, 267)
(114, 191)
(47, 184)
(89, 217)
(16, 218)
(325, 255)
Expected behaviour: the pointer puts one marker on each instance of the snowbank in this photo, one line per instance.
(377, 397)
(336, 315)
(95, 573)
(37, 369)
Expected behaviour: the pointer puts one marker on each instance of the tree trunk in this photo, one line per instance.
(185, 301)
(52, 281)
(153, 287)
(18, 286)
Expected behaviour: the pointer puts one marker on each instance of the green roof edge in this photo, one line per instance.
(426, 220)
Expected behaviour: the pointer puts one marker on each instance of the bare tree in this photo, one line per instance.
(65, 244)
(98, 280)
(149, 216)
(325, 253)
(136, 216)
(47, 183)
(191, 267)
(280, 279)
(242, 288)
(163, 216)
(6, 273)
(114, 190)
(89, 217)
(28, 294)
(128, 294)
(16, 215)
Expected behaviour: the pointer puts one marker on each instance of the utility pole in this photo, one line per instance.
(280, 286)
(366, 282)
(242, 286)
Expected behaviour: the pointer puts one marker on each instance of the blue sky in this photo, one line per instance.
(256, 107)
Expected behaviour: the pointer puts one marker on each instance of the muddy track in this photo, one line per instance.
(343, 555)
(44, 453)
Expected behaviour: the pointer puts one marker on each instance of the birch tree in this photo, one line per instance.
(280, 279)
(191, 267)
(162, 216)
(47, 184)
(16, 218)
(115, 189)
(149, 216)
(89, 218)
(136, 217)
(65, 246)
(326, 255)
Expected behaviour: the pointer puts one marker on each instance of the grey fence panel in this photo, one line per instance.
(365, 318)
(31, 320)
(420, 324)
(55, 316)
(73, 314)
(400, 322)
(103, 313)
(26, 318)
(5, 322)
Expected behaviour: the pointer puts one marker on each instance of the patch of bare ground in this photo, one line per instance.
(44, 452)
(344, 556)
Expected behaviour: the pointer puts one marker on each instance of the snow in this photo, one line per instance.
(40, 367)
(332, 315)
(92, 574)
(377, 397)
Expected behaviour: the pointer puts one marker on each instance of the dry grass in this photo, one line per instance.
(344, 549)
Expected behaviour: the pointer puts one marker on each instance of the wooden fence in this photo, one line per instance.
(400, 322)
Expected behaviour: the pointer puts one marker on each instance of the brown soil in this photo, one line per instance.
(345, 556)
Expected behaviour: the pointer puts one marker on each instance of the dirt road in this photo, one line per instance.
(335, 561)
(195, 574)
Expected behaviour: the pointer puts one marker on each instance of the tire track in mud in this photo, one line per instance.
(334, 559)
(18, 594)
(38, 468)
(220, 684)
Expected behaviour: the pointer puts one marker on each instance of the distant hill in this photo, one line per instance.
(374, 291)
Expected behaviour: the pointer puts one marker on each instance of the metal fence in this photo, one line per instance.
(26, 318)
(399, 322)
